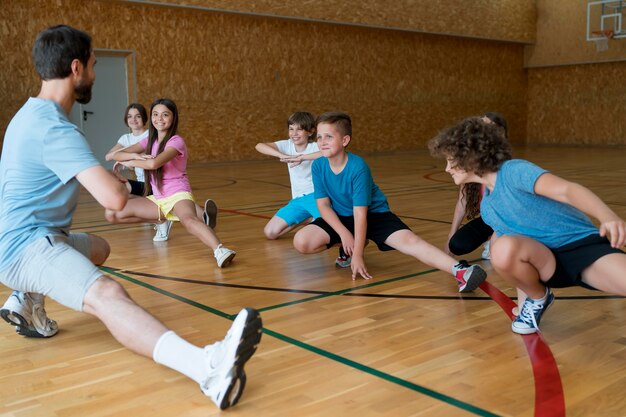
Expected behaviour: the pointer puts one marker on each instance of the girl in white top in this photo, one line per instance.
(135, 117)
(298, 152)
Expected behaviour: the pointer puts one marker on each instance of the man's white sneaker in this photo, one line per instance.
(223, 255)
(26, 311)
(210, 213)
(162, 231)
(225, 359)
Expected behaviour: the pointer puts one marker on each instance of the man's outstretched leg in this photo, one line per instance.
(218, 368)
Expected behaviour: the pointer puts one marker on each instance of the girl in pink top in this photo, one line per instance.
(163, 156)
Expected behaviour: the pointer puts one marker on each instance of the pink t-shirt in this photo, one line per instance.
(174, 172)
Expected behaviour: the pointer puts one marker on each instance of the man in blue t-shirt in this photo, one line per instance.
(354, 209)
(45, 159)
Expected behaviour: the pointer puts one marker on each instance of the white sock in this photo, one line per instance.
(176, 353)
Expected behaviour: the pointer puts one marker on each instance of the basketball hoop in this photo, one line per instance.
(601, 38)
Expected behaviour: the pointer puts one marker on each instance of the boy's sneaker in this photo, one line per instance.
(162, 231)
(527, 321)
(468, 277)
(223, 255)
(26, 311)
(225, 359)
(486, 255)
(210, 213)
(343, 260)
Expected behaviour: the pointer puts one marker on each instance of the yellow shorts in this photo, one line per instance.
(166, 205)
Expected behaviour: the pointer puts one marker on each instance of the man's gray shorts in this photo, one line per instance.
(57, 266)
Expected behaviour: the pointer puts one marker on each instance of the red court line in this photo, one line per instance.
(549, 397)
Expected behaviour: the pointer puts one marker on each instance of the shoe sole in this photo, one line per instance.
(210, 211)
(531, 331)
(227, 261)
(22, 326)
(476, 278)
(250, 339)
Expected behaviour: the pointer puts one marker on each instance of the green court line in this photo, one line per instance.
(387, 377)
(165, 292)
(344, 361)
(360, 287)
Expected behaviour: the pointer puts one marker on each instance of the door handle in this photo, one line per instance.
(85, 114)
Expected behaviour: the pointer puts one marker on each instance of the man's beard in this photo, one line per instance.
(83, 93)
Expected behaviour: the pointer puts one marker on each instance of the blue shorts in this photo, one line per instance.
(299, 209)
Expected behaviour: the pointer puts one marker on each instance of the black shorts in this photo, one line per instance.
(136, 187)
(379, 227)
(573, 258)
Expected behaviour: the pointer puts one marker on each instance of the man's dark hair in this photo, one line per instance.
(56, 47)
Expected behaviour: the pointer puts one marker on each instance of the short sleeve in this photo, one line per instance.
(177, 143)
(362, 187)
(66, 152)
(283, 146)
(523, 175)
(319, 186)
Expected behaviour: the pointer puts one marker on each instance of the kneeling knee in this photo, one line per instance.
(301, 244)
(100, 249)
(270, 234)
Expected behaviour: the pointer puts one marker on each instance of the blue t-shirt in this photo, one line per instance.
(352, 187)
(513, 208)
(41, 154)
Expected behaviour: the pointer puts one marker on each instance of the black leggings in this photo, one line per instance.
(469, 237)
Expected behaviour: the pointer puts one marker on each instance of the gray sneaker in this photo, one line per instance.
(225, 359)
(26, 311)
(210, 213)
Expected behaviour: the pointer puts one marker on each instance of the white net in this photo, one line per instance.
(602, 44)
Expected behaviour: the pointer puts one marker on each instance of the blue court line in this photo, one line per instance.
(345, 361)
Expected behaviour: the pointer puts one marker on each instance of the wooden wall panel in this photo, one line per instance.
(510, 20)
(577, 105)
(236, 78)
(561, 37)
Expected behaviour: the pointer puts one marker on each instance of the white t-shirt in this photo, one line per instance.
(128, 140)
(300, 175)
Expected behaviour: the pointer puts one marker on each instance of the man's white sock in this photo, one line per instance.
(176, 353)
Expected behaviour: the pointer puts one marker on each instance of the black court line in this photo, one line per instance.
(349, 293)
(327, 354)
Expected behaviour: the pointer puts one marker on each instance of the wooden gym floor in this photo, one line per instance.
(403, 344)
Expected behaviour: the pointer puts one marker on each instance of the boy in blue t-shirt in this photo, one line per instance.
(353, 209)
(543, 239)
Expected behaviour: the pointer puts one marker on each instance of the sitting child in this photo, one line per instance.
(353, 209)
(298, 152)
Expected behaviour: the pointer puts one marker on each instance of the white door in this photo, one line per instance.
(102, 118)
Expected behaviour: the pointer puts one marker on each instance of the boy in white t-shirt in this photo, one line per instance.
(298, 152)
